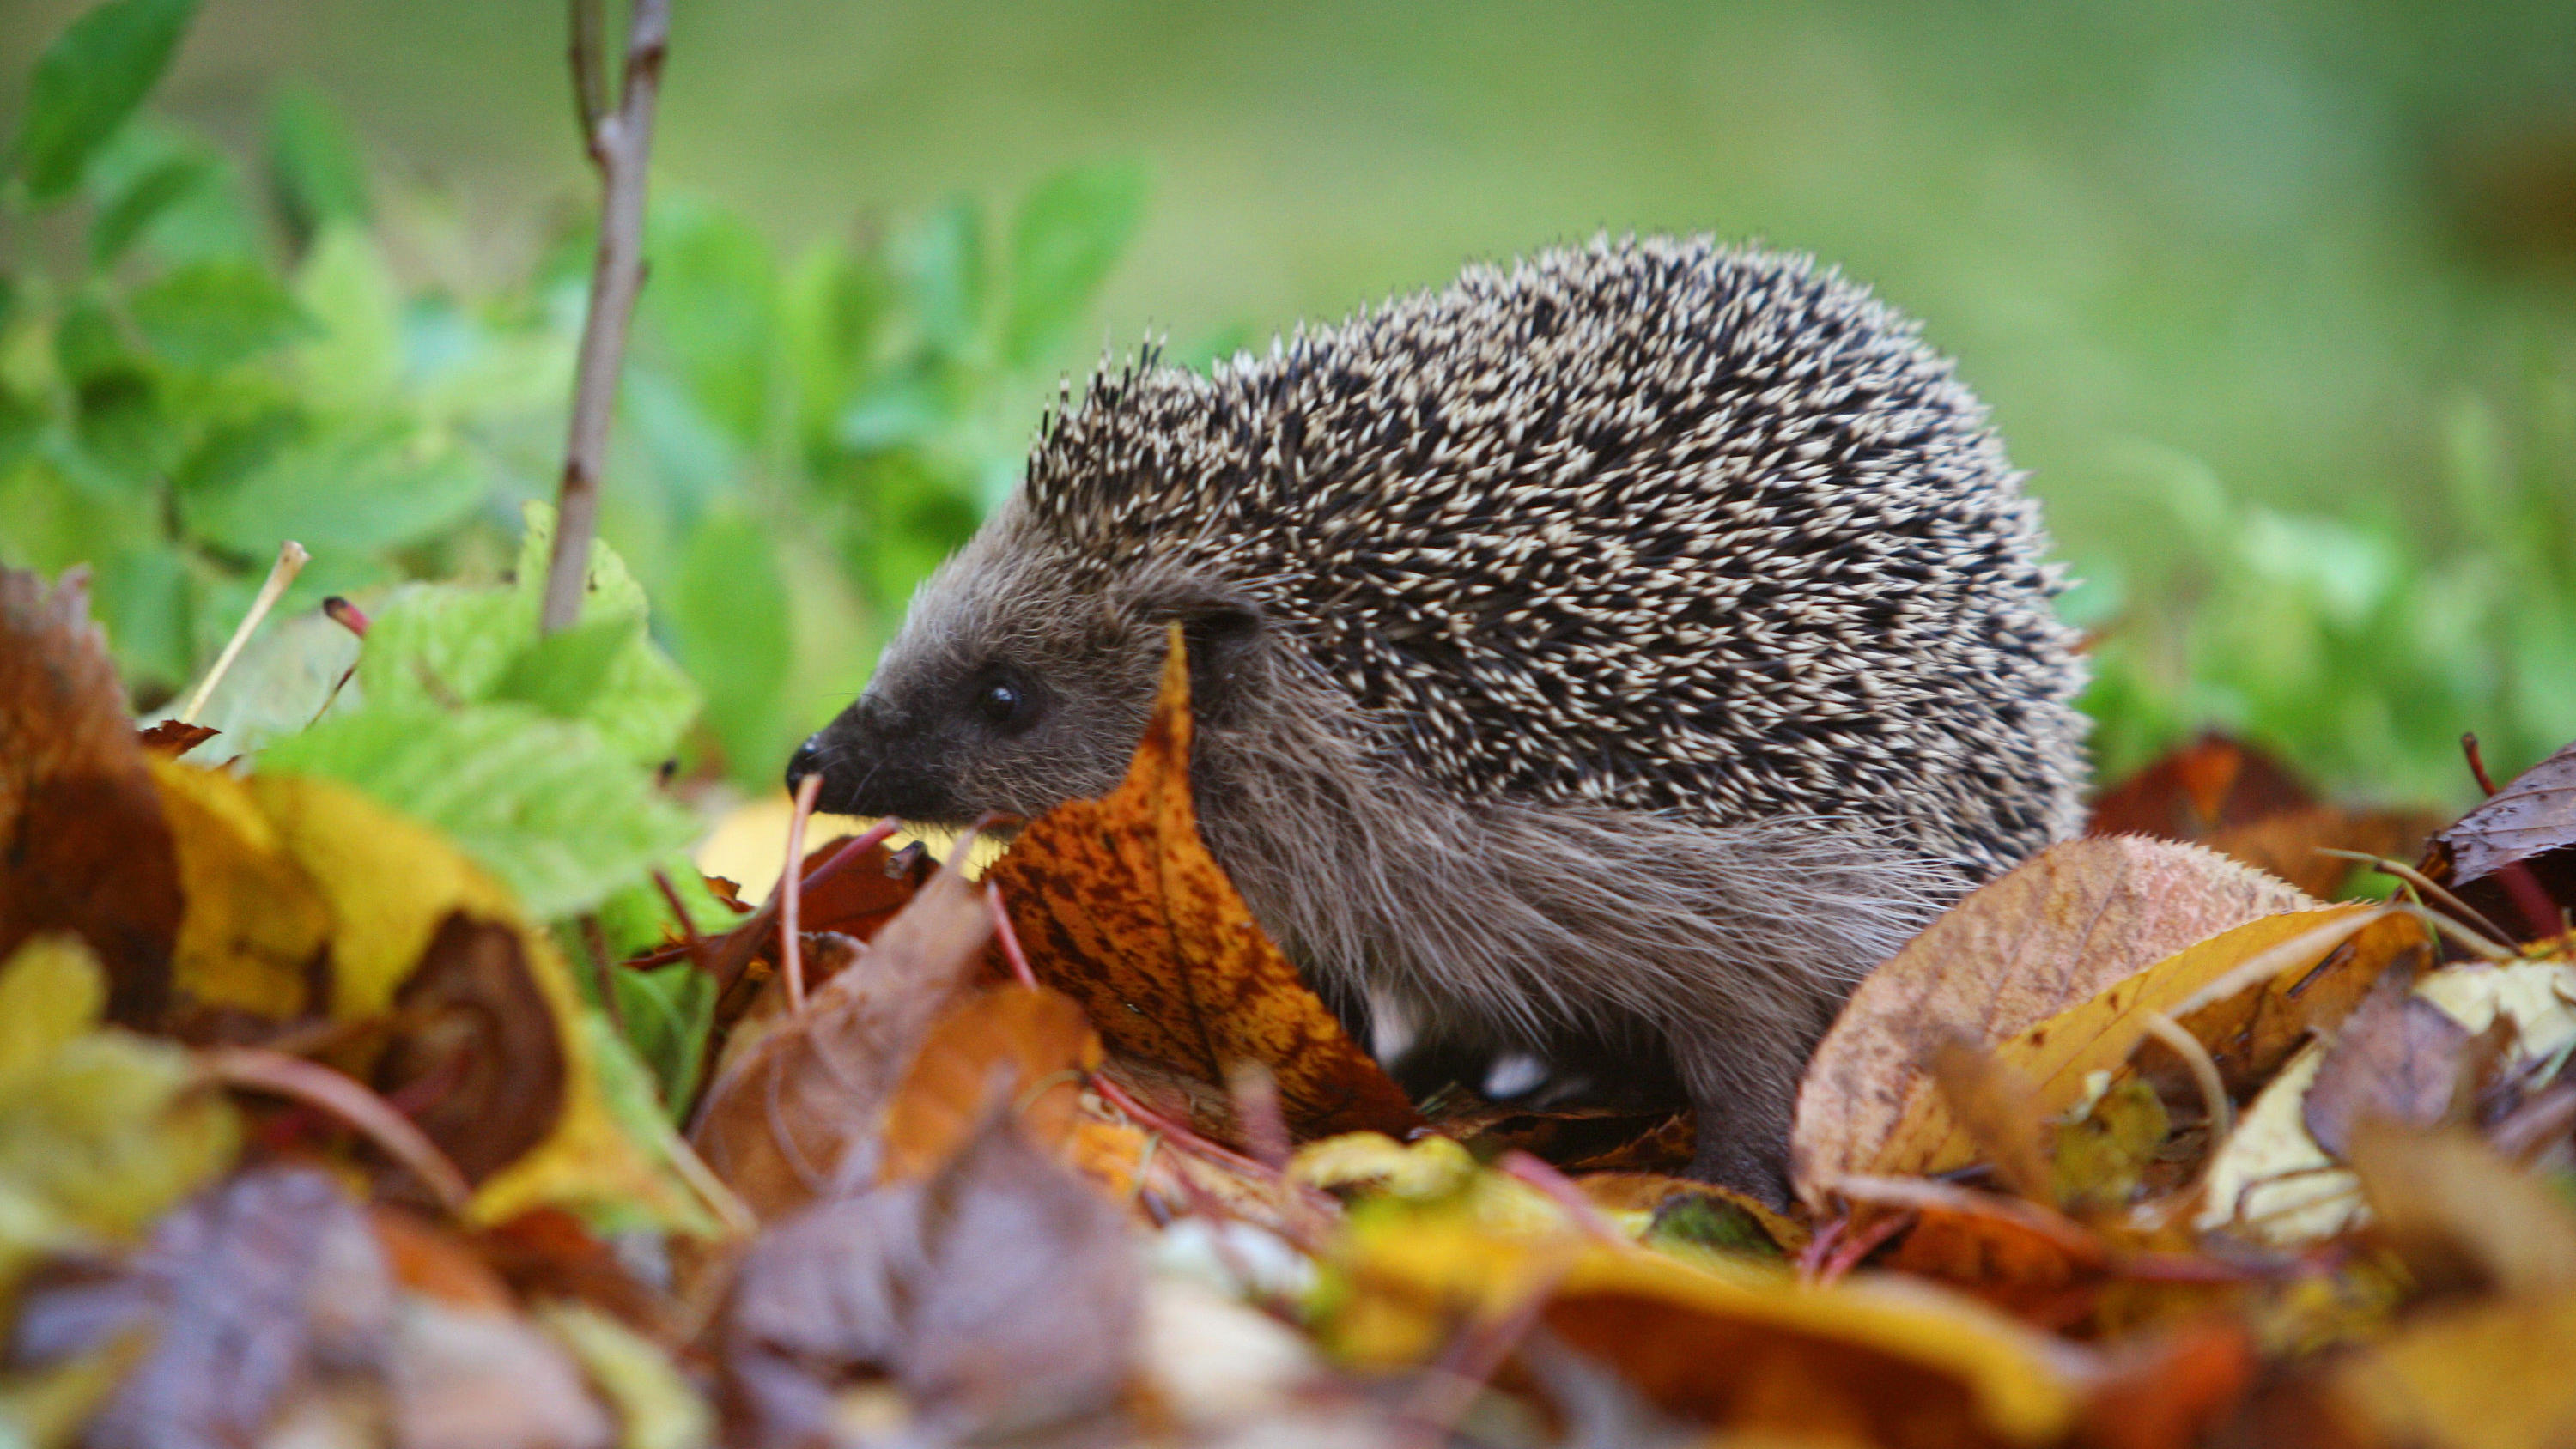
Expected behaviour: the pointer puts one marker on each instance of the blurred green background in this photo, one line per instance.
(2276, 302)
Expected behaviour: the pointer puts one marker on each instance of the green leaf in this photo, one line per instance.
(359, 494)
(945, 272)
(545, 804)
(562, 673)
(353, 362)
(313, 163)
(729, 611)
(1069, 232)
(141, 202)
(213, 313)
(143, 602)
(88, 82)
(711, 314)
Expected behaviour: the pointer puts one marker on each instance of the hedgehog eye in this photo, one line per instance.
(1004, 702)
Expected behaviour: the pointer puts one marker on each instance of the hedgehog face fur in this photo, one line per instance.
(1622, 651)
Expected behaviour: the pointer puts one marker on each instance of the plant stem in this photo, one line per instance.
(621, 145)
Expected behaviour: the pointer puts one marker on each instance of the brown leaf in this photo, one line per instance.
(2055, 932)
(462, 1378)
(2293, 844)
(2528, 825)
(83, 846)
(783, 1113)
(2169, 1391)
(1120, 907)
(2027, 1259)
(2460, 1214)
(1001, 1292)
(2398, 1057)
(856, 901)
(475, 1057)
(1021, 1050)
(2212, 784)
(247, 1292)
(1991, 1102)
(172, 738)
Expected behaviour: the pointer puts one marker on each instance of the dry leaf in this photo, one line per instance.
(2458, 1212)
(2294, 843)
(247, 1293)
(172, 738)
(2062, 928)
(2479, 1376)
(462, 1378)
(1020, 1050)
(779, 1120)
(2212, 784)
(1120, 907)
(999, 1293)
(254, 936)
(476, 1057)
(2398, 1058)
(83, 846)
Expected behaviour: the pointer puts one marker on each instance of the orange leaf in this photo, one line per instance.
(1121, 907)
(2069, 922)
(1011, 1048)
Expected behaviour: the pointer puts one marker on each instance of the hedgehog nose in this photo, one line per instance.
(806, 760)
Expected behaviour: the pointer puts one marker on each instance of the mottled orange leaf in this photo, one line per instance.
(1121, 907)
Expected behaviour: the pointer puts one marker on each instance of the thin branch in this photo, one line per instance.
(258, 1070)
(290, 562)
(791, 885)
(589, 73)
(621, 143)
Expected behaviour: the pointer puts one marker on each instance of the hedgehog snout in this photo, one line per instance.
(872, 764)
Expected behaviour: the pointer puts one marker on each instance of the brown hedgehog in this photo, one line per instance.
(1609, 657)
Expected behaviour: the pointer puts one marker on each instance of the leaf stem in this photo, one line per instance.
(291, 558)
(791, 962)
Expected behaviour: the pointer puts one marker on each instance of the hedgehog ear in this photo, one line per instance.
(1221, 629)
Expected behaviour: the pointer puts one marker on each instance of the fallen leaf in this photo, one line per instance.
(1120, 907)
(477, 1060)
(172, 738)
(1994, 1106)
(2459, 1213)
(2296, 844)
(2100, 1160)
(247, 1292)
(83, 846)
(2172, 1390)
(254, 935)
(101, 1131)
(2024, 1257)
(783, 1113)
(2397, 1058)
(1018, 1049)
(999, 1294)
(466, 1378)
(656, 1406)
(2209, 785)
(2059, 930)
(2260, 1011)
(2528, 825)
(2491, 1375)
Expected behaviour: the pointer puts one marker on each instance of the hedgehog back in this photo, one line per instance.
(1655, 525)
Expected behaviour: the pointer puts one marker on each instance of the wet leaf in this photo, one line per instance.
(2529, 825)
(83, 845)
(2062, 928)
(1120, 907)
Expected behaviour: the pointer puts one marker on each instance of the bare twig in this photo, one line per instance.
(621, 145)
(259, 1070)
(290, 562)
(791, 886)
(589, 72)
(2477, 762)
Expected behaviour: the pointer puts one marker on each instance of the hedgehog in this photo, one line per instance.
(1608, 658)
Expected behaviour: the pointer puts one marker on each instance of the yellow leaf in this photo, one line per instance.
(252, 926)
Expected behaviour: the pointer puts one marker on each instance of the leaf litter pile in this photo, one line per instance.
(397, 1085)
